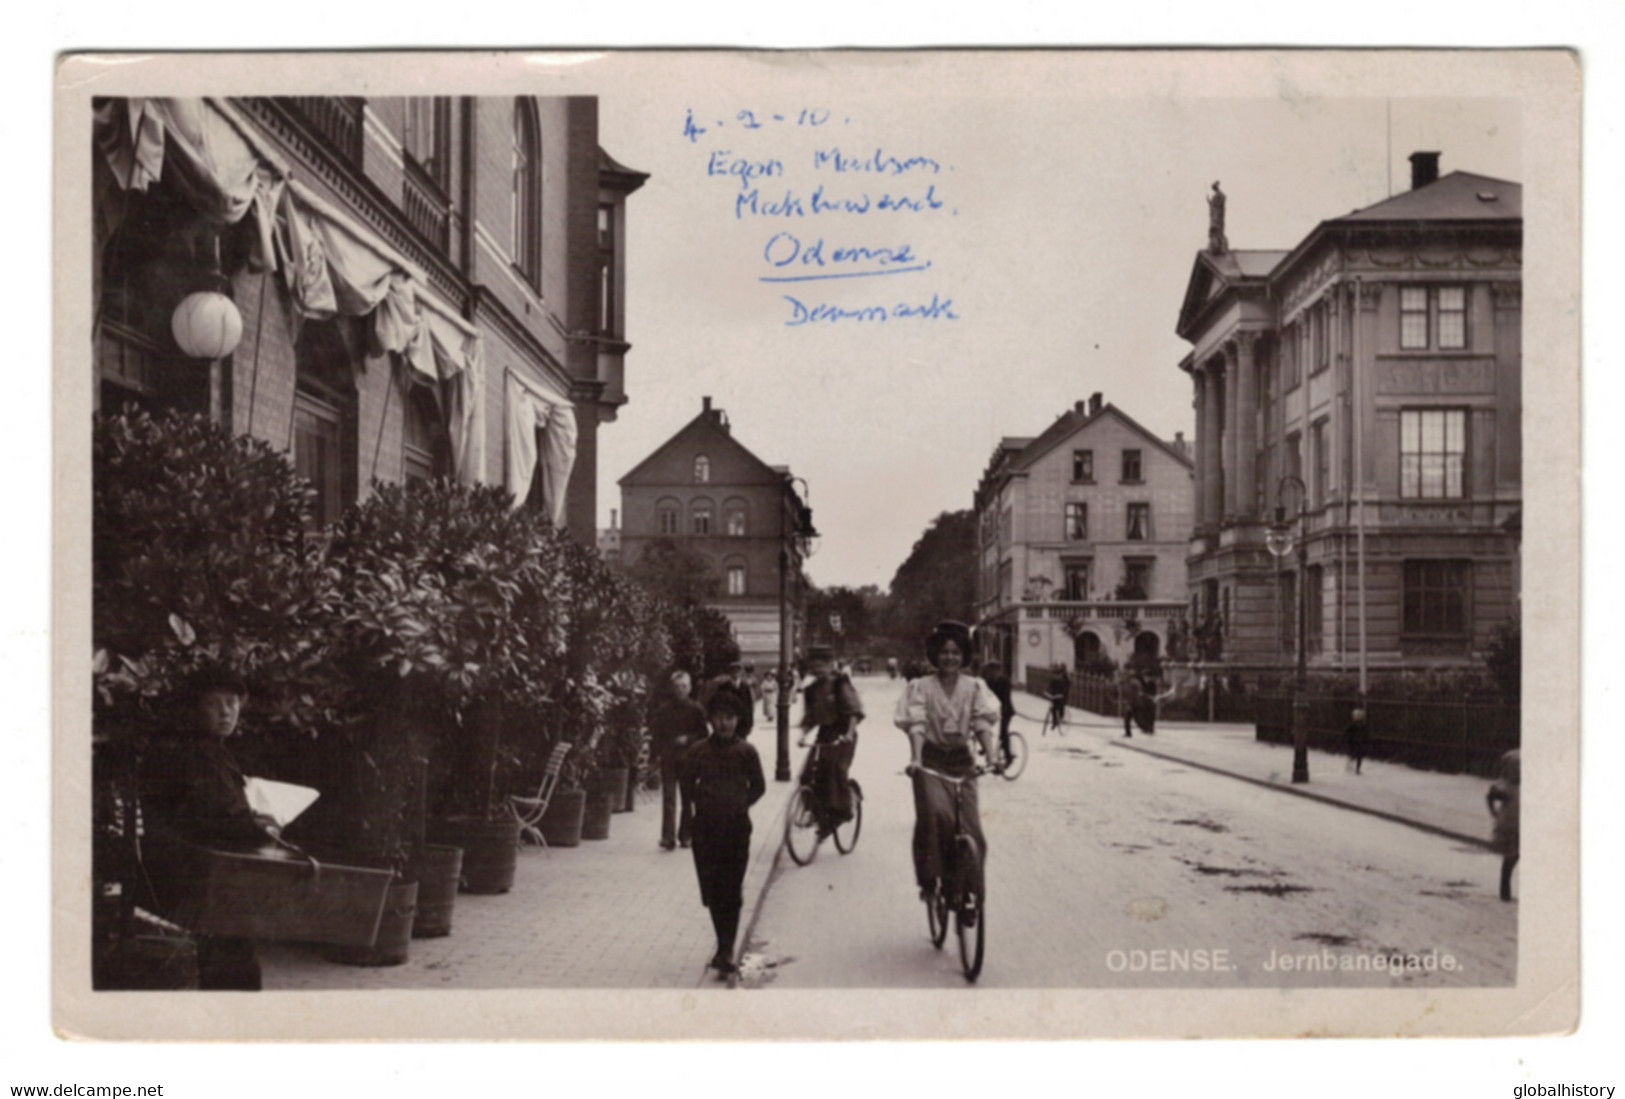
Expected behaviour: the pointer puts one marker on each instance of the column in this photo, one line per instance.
(1199, 380)
(1212, 445)
(1247, 424)
(1232, 460)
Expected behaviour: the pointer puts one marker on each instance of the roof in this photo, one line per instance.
(1072, 422)
(708, 423)
(1459, 196)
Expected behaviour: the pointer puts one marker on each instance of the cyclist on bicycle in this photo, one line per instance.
(941, 713)
(1060, 686)
(999, 684)
(830, 709)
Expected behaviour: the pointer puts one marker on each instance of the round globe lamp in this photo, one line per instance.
(207, 325)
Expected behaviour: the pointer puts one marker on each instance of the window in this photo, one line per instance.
(324, 427)
(1436, 597)
(1006, 580)
(1131, 466)
(1320, 449)
(700, 519)
(1294, 454)
(1083, 465)
(1139, 523)
(1077, 522)
(736, 521)
(667, 513)
(318, 440)
(1292, 356)
(1320, 338)
(526, 196)
(1433, 317)
(1432, 453)
(702, 469)
(428, 136)
(736, 579)
(1136, 578)
(423, 440)
(606, 268)
(1076, 580)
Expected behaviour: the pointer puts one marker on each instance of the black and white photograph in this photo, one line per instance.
(836, 544)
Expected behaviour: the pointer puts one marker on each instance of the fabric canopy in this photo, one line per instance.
(532, 409)
(330, 263)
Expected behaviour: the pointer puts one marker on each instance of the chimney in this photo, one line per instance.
(1424, 169)
(1180, 444)
(706, 401)
(1078, 407)
(1096, 402)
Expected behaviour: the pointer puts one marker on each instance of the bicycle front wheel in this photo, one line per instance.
(846, 834)
(801, 827)
(970, 918)
(1017, 760)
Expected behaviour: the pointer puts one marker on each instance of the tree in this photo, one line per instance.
(673, 573)
(937, 580)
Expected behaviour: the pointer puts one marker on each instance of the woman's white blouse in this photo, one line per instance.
(947, 719)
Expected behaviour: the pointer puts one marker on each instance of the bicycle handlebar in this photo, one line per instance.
(976, 772)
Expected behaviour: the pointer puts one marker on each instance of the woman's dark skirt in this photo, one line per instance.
(721, 853)
(934, 812)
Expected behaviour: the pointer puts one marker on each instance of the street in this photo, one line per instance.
(1110, 868)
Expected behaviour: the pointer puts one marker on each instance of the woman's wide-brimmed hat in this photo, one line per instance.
(944, 632)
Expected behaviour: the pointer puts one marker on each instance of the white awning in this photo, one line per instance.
(533, 408)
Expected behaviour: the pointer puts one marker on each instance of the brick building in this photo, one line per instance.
(704, 491)
(425, 287)
(1081, 534)
(1377, 364)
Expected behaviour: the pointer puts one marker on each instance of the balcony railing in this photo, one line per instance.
(1066, 610)
(337, 119)
(427, 207)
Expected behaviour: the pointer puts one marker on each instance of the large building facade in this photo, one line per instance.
(1364, 390)
(703, 492)
(424, 287)
(1082, 534)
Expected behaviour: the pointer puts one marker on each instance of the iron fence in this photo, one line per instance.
(1457, 737)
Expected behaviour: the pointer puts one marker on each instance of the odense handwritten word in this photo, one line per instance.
(801, 313)
(724, 163)
(785, 249)
(792, 205)
(877, 162)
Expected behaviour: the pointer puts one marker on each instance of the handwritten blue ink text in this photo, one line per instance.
(752, 203)
(877, 162)
(724, 163)
(939, 308)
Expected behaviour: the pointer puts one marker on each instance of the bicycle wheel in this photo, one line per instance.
(1017, 762)
(846, 835)
(801, 827)
(970, 919)
(936, 915)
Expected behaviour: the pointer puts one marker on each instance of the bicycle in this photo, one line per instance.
(1015, 759)
(802, 831)
(960, 892)
(1055, 718)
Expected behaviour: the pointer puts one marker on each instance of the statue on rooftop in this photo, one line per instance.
(1216, 244)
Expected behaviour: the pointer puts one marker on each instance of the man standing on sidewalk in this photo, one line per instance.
(723, 776)
(678, 724)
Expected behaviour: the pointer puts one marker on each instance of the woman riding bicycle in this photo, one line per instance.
(830, 705)
(941, 713)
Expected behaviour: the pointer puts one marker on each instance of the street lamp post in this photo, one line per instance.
(794, 544)
(1280, 540)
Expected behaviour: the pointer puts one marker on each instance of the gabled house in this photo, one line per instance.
(1082, 532)
(706, 492)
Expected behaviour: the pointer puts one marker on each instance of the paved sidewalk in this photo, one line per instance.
(615, 913)
(1447, 805)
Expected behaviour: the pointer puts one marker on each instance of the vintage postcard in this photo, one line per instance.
(894, 544)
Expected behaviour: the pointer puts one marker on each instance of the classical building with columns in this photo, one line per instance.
(1362, 389)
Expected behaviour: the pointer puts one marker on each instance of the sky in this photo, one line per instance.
(1070, 215)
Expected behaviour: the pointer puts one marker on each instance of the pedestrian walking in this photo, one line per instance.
(735, 685)
(1146, 699)
(999, 683)
(770, 693)
(1128, 698)
(1503, 802)
(677, 724)
(1357, 739)
(942, 713)
(1060, 689)
(192, 790)
(723, 775)
(831, 710)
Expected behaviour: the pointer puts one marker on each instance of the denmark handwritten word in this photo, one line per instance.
(939, 308)
(786, 250)
(753, 203)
